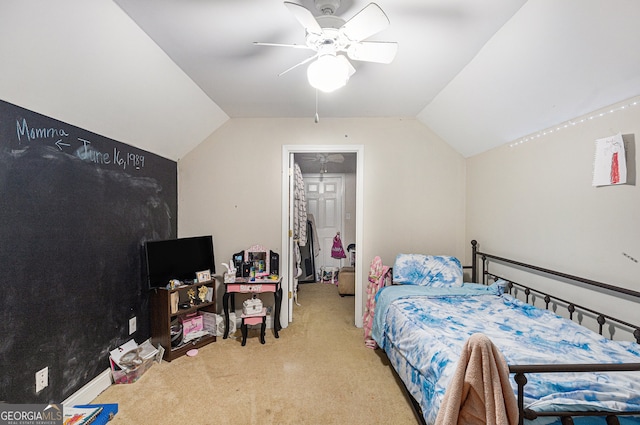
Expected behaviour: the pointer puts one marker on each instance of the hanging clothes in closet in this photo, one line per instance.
(299, 207)
(308, 253)
(299, 223)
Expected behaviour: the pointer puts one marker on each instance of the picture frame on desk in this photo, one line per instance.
(203, 276)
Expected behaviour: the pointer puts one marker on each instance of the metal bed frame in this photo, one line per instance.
(520, 371)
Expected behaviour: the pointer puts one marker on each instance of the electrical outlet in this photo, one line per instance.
(42, 379)
(132, 325)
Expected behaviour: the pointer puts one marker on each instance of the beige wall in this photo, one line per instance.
(535, 203)
(68, 63)
(230, 185)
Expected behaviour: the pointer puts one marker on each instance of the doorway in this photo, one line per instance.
(325, 202)
(287, 262)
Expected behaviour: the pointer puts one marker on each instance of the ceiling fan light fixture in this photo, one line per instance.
(328, 73)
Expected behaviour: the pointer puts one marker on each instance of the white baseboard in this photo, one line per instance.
(91, 390)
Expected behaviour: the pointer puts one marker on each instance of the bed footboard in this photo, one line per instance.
(520, 378)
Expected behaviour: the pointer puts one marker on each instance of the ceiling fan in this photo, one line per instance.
(331, 37)
(323, 159)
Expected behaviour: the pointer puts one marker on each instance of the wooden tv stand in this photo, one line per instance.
(161, 318)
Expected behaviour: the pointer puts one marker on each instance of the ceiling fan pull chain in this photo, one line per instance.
(317, 117)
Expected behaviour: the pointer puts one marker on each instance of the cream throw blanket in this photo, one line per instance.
(479, 391)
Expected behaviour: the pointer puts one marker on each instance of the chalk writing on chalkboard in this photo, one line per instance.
(80, 147)
(76, 209)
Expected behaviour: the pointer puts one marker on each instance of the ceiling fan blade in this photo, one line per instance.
(335, 157)
(305, 17)
(298, 64)
(295, 46)
(352, 70)
(373, 51)
(369, 21)
(308, 157)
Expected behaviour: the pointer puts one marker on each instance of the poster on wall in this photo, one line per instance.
(609, 166)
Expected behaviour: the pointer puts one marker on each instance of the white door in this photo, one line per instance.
(292, 267)
(325, 197)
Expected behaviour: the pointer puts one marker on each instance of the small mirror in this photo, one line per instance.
(258, 257)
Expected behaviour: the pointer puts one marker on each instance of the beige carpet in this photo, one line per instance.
(318, 372)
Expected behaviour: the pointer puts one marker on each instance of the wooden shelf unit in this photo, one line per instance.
(161, 318)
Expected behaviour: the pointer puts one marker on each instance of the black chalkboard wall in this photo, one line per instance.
(75, 210)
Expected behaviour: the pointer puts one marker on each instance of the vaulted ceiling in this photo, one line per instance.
(164, 74)
(478, 73)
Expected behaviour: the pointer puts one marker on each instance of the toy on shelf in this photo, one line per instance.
(230, 274)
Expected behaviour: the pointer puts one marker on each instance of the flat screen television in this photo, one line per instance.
(178, 259)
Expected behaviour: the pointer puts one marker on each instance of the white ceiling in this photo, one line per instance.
(479, 73)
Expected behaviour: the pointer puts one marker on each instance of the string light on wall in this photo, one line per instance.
(571, 123)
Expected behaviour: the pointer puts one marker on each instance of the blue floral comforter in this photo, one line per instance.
(423, 329)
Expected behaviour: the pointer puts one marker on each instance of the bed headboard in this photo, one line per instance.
(548, 299)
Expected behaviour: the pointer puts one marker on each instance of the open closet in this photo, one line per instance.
(329, 201)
